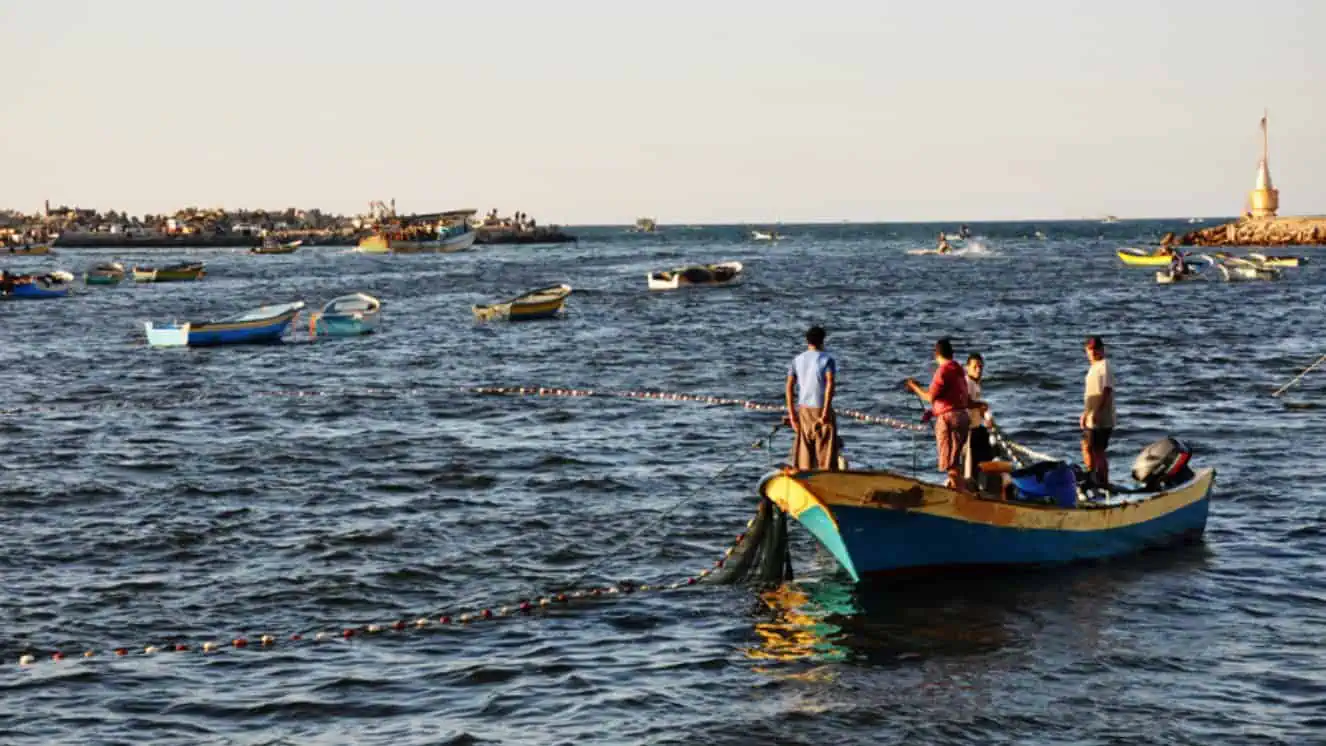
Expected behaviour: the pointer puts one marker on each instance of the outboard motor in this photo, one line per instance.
(1163, 464)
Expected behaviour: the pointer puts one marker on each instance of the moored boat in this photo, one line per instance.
(274, 247)
(764, 236)
(882, 522)
(1236, 269)
(35, 287)
(544, 303)
(264, 324)
(174, 273)
(723, 273)
(1139, 258)
(1194, 268)
(444, 232)
(1278, 261)
(31, 249)
(111, 273)
(347, 316)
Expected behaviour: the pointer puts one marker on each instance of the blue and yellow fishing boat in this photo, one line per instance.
(265, 324)
(882, 522)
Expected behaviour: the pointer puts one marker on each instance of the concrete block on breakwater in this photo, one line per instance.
(1286, 231)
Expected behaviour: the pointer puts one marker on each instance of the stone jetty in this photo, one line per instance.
(1286, 231)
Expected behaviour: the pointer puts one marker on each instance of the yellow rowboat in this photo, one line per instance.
(544, 303)
(1138, 258)
(176, 273)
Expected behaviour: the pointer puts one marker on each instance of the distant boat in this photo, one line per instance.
(724, 273)
(762, 236)
(1040, 235)
(1196, 220)
(174, 273)
(1110, 219)
(36, 287)
(272, 247)
(440, 233)
(264, 324)
(105, 274)
(347, 316)
(645, 225)
(32, 249)
(544, 303)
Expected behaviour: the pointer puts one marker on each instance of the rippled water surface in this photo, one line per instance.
(152, 496)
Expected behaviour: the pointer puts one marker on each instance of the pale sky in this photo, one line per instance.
(588, 111)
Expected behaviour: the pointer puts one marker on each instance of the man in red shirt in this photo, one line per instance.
(947, 397)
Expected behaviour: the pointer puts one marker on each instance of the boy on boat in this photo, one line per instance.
(1098, 417)
(809, 395)
(978, 413)
(947, 397)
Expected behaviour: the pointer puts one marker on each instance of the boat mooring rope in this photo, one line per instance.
(523, 607)
(1298, 377)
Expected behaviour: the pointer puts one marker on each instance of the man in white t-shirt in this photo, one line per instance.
(1098, 417)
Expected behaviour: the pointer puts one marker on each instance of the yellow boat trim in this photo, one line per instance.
(884, 490)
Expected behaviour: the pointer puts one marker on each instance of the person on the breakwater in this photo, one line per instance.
(1098, 417)
(811, 379)
(947, 397)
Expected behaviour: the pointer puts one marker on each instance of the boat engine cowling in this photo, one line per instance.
(1163, 464)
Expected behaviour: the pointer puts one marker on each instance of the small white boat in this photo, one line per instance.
(347, 316)
(1194, 271)
(762, 236)
(723, 273)
(167, 335)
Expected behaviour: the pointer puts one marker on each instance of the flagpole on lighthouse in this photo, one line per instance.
(1266, 140)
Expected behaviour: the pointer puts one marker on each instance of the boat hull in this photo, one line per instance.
(346, 325)
(676, 278)
(378, 244)
(34, 292)
(880, 523)
(242, 332)
(168, 275)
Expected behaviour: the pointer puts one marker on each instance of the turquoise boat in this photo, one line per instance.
(885, 523)
(347, 316)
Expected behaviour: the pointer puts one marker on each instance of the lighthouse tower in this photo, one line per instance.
(1264, 200)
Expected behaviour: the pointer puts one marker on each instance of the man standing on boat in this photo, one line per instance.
(809, 394)
(1098, 417)
(947, 397)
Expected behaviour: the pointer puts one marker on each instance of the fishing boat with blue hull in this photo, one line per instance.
(35, 287)
(260, 325)
(882, 523)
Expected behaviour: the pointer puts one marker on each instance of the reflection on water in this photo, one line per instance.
(903, 623)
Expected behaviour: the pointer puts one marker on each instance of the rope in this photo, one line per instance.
(1299, 377)
(524, 607)
(174, 403)
(666, 513)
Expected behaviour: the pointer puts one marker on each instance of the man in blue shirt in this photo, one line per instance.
(810, 386)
